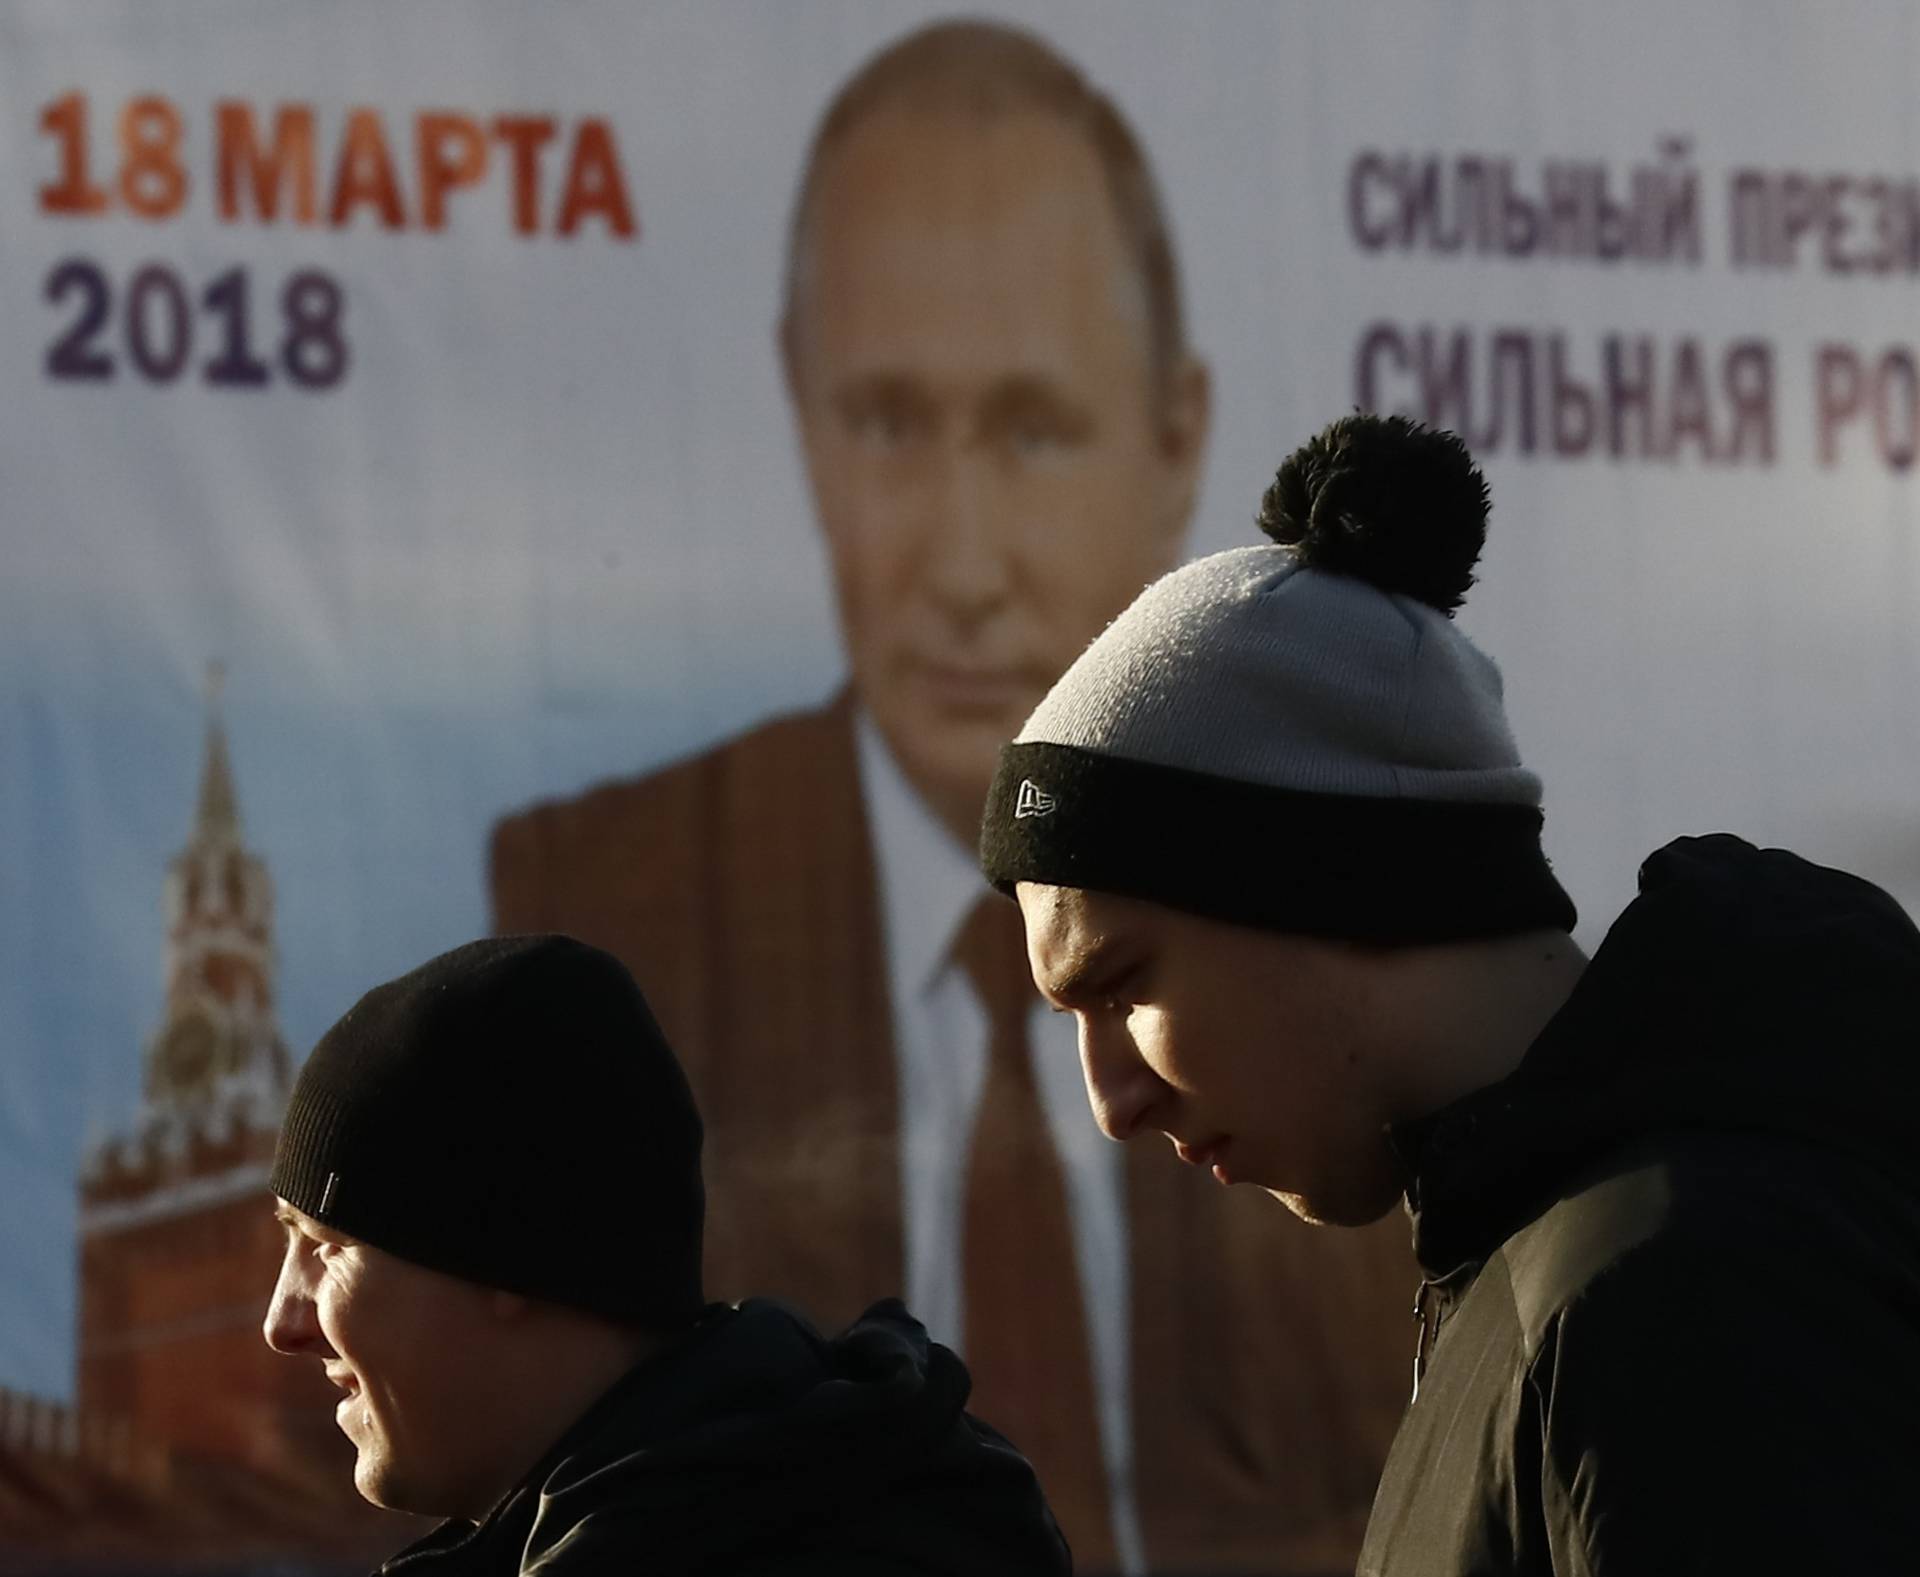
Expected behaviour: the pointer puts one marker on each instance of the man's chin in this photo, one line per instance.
(950, 764)
(379, 1485)
(1299, 1205)
(1334, 1210)
(960, 745)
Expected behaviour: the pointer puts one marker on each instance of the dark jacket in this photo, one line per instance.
(755, 1448)
(1673, 1315)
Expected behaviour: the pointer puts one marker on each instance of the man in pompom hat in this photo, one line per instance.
(1276, 851)
(489, 1176)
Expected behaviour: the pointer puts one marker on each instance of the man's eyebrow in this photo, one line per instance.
(1085, 973)
(294, 1221)
(1026, 396)
(861, 391)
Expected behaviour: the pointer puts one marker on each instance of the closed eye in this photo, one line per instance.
(1107, 990)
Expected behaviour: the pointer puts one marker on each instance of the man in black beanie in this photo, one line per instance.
(489, 1175)
(1276, 851)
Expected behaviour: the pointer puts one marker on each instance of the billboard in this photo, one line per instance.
(623, 470)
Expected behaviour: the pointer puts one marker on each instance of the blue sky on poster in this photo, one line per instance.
(552, 526)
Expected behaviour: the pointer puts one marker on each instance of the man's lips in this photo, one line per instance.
(1207, 1153)
(341, 1408)
(972, 687)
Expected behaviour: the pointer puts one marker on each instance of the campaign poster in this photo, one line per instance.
(624, 470)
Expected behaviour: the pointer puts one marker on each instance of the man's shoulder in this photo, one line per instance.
(796, 743)
(1728, 1355)
(1590, 1231)
(1678, 1223)
(753, 790)
(1707, 1334)
(761, 1446)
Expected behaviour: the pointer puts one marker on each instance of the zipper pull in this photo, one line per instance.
(1424, 1345)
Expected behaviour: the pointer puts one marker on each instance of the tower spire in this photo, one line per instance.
(218, 1039)
(217, 818)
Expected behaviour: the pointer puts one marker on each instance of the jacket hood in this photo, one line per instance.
(1743, 990)
(756, 1437)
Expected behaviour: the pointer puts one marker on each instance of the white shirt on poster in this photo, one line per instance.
(928, 887)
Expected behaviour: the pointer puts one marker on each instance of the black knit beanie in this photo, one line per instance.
(509, 1113)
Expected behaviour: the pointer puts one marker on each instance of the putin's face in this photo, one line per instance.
(996, 467)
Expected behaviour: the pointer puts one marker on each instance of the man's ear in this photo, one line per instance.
(786, 340)
(1185, 420)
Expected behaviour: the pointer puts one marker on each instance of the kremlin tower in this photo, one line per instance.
(178, 1246)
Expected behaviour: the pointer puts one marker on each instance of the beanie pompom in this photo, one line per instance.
(1385, 500)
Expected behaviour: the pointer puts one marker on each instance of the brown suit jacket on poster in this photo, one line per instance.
(1270, 1361)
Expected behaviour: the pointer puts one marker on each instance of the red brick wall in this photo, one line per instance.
(170, 1313)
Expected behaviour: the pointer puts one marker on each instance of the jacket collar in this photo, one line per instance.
(1744, 990)
(496, 1540)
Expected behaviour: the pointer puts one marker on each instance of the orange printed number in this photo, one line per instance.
(152, 181)
(74, 193)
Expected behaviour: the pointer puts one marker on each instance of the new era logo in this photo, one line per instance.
(1033, 801)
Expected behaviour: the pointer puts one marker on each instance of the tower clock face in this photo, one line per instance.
(187, 1056)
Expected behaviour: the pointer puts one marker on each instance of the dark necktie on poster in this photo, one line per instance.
(1026, 1327)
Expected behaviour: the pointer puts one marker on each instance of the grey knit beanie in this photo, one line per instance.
(1296, 736)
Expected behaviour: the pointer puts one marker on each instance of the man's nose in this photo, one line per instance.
(292, 1325)
(967, 566)
(1121, 1088)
